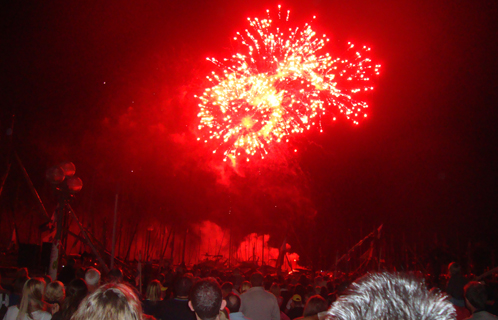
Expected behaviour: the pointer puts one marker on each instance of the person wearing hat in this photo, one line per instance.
(297, 307)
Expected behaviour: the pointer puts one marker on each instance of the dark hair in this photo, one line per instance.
(315, 305)
(454, 268)
(115, 275)
(76, 291)
(226, 287)
(19, 284)
(182, 286)
(233, 302)
(206, 298)
(476, 293)
(256, 279)
(300, 290)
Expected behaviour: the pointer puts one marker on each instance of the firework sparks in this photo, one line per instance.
(277, 85)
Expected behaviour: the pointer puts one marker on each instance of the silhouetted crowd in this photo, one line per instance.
(210, 294)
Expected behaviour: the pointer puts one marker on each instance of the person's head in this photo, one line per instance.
(256, 279)
(55, 292)
(110, 302)
(391, 296)
(115, 275)
(32, 297)
(297, 301)
(92, 279)
(233, 302)
(22, 272)
(19, 284)
(454, 269)
(246, 285)
(154, 291)
(226, 288)
(275, 289)
(183, 286)
(315, 305)
(70, 262)
(300, 290)
(475, 295)
(206, 299)
(76, 291)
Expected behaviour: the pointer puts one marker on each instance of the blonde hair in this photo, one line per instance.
(154, 291)
(110, 302)
(55, 292)
(32, 298)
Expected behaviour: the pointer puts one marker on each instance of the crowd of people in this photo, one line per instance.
(232, 295)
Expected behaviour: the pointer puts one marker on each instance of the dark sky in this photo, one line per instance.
(109, 85)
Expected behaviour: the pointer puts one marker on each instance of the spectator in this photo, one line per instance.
(92, 279)
(391, 296)
(226, 288)
(32, 304)
(22, 272)
(257, 303)
(15, 297)
(54, 295)
(300, 290)
(115, 276)
(76, 291)
(246, 285)
(48, 279)
(4, 299)
(68, 272)
(455, 284)
(153, 298)
(475, 299)
(275, 290)
(315, 305)
(297, 308)
(206, 299)
(177, 308)
(233, 305)
(110, 302)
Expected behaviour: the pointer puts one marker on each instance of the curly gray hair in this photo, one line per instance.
(393, 296)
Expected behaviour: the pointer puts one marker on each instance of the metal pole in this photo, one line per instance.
(263, 251)
(31, 187)
(95, 252)
(114, 226)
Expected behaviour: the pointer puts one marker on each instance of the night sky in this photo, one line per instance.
(110, 85)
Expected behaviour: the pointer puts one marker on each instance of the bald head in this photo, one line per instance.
(233, 302)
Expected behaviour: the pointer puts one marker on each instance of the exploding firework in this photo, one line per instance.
(279, 84)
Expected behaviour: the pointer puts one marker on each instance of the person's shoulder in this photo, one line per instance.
(11, 313)
(483, 315)
(41, 315)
